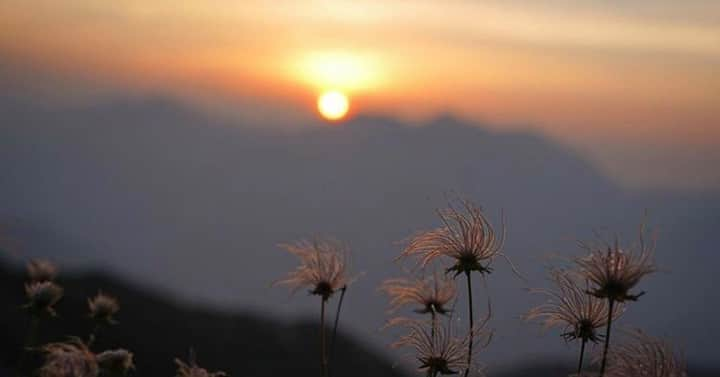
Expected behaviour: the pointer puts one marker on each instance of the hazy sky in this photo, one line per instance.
(636, 85)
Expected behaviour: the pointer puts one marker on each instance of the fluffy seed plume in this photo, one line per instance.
(191, 369)
(616, 271)
(569, 307)
(103, 308)
(115, 363)
(40, 270)
(643, 355)
(68, 359)
(323, 266)
(429, 294)
(437, 350)
(466, 236)
(42, 297)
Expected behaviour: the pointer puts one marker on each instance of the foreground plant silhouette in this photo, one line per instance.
(613, 273)
(468, 238)
(569, 306)
(323, 269)
(71, 357)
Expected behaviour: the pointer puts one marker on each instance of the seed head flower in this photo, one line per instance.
(103, 308)
(42, 296)
(193, 370)
(115, 362)
(430, 294)
(616, 271)
(644, 355)
(438, 351)
(323, 266)
(40, 270)
(571, 308)
(465, 236)
(68, 359)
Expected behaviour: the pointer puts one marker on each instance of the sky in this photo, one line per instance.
(127, 175)
(633, 86)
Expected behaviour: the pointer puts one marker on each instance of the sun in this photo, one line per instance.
(333, 105)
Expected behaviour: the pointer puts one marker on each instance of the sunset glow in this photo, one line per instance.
(579, 73)
(341, 70)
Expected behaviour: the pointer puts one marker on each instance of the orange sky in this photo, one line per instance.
(645, 72)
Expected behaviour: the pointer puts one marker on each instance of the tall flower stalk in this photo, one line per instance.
(613, 273)
(102, 310)
(323, 270)
(42, 296)
(469, 239)
(337, 322)
(569, 307)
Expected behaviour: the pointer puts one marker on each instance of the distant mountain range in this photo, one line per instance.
(192, 205)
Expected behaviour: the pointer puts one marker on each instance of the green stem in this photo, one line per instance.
(323, 359)
(335, 326)
(582, 354)
(472, 324)
(607, 336)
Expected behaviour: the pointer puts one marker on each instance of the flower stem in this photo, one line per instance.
(93, 335)
(323, 359)
(335, 326)
(470, 309)
(611, 303)
(582, 354)
(29, 342)
(433, 324)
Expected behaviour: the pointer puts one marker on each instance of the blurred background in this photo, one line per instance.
(160, 150)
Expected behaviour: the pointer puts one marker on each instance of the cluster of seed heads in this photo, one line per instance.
(584, 300)
(74, 357)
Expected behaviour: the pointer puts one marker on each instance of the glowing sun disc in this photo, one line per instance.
(333, 105)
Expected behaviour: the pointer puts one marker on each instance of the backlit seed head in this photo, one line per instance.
(42, 297)
(323, 267)
(437, 351)
(191, 369)
(614, 271)
(569, 307)
(103, 308)
(40, 270)
(645, 356)
(428, 295)
(115, 363)
(466, 236)
(68, 359)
